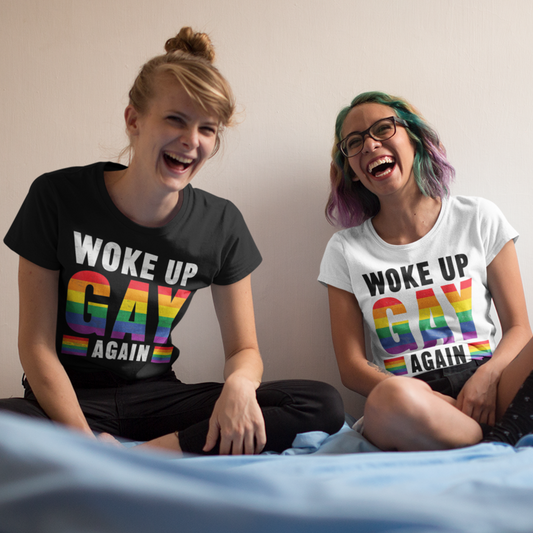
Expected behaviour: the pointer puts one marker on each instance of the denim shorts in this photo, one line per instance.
(452, 379)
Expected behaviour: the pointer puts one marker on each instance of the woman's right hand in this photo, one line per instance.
(237, 420)
(38, 297)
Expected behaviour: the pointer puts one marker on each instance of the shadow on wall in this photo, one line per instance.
(292, 309)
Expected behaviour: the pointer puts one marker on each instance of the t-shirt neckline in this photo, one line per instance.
(123, 219)
(420, 242)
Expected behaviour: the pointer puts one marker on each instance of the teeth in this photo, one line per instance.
(179, 159)
(380, 161)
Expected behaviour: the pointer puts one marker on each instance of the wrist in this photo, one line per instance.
(242, 380)
(492, 368)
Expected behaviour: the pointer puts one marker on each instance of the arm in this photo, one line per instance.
(478, 397)
(237, 417)
(348, 335)
(37, 330)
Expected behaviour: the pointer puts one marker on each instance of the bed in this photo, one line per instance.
(54, 481)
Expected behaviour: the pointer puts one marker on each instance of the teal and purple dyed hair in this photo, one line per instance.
(350, 203)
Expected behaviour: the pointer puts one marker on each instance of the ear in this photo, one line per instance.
(131, 116)
(355, 178)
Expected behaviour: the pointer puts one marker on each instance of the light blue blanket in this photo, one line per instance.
(54, 481)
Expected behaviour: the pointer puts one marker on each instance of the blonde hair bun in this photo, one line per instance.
(194, 43)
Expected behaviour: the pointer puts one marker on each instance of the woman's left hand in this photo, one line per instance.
(237, 419)
(477, 398)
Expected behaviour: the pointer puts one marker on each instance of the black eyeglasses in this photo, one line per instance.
(381, 130)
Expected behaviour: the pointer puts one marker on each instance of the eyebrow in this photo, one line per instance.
(349, 134)
(373, 123)
(187, 117)
(355, 131)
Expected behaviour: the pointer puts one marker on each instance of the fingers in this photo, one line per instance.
(478, 397)
(237, 422)
(243, 441)
(485, 415)
(491, 420)
(237, 440)
(248, 444)
(226, 446)
(232, 441)
(260, 438)
(480, 412)
(212, 435)
(460, 401)
(254, 441)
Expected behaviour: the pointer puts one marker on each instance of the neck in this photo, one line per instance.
(406, 220)
(133, 199)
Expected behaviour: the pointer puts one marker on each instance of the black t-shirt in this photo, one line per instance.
(123, 287)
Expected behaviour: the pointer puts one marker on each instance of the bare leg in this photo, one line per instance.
(405, 414)
(168, 442)
(513, 377)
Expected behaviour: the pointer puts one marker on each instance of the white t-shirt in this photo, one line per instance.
(425, 304)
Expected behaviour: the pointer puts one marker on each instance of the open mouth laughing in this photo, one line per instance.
(177, 162)
(381, 167)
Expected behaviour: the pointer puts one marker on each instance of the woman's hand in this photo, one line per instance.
(38, 300)
(237, 419)
(477, 398)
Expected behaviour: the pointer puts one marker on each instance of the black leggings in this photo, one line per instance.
(146, 410)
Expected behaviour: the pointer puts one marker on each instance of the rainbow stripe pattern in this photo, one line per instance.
(480, 349)
(429, 307)
(168, 309)
(77, 308)
(385, 330)
(396, 366)
(462, 304)
(74, 345)
(162, 354)
(132, 315)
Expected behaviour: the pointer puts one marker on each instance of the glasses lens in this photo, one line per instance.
(383, 129)
(352, 145)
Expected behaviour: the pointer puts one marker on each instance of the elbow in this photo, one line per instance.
(350, 381)
(346, 381)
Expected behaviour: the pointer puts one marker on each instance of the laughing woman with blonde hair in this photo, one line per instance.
(110, 258)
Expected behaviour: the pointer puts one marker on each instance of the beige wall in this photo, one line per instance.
(66, 68)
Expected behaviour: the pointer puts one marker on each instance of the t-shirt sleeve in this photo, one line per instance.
(240, 255)
(495, 229)
(34, 232)
(334, 268)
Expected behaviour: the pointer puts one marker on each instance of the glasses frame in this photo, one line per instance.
(395, 120)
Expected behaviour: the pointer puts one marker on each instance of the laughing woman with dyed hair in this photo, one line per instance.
(411, 278)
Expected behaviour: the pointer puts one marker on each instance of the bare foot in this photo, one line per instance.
(168, 442)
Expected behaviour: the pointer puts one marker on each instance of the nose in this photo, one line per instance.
(189, 138)
(370, 144)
